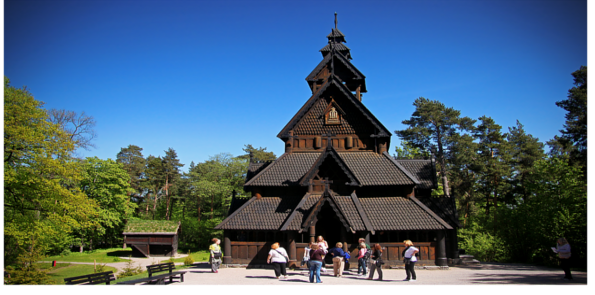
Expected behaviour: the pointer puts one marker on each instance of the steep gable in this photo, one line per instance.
(309, 119)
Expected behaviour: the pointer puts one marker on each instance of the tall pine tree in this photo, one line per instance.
(431, 127)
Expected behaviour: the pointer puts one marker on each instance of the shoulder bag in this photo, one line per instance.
(286, 258)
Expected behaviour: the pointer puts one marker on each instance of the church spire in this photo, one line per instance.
(337, 38)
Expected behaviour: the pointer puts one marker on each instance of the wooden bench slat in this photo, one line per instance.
(154, 278)
(91, 279)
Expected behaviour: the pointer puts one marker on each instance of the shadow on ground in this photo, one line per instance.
(526, 279)
(120, 253)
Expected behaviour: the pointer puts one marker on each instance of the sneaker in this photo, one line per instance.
(285, 277)
(412, 280)
(216, 271)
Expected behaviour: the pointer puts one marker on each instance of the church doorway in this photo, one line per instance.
(329, 227)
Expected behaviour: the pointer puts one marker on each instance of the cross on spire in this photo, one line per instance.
(335, 20)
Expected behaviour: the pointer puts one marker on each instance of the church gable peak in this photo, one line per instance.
(329, 165)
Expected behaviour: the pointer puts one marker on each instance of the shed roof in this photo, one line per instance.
(136, 226)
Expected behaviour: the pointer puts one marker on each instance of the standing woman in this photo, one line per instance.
(410, 255)
(322, 245)
(316, 258)
(215, 259)
(278, 259)
(362, 259)
(376, 262)
(563, 250)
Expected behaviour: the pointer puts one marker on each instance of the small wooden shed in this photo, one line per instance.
(152, 237)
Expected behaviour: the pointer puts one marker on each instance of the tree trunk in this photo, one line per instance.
(442, 164)
(167, 197)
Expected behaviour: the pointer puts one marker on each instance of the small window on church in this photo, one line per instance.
(332, 117)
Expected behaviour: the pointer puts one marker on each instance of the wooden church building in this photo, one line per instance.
(336, 179)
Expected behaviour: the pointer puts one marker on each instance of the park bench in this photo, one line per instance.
(92, 279)
(160, 278)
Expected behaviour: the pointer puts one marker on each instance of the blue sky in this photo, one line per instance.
(205, 77)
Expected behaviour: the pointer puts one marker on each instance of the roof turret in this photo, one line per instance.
(336, 39)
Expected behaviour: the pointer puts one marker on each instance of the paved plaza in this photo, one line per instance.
(486, 274)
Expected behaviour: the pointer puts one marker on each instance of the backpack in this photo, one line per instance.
(367, 254)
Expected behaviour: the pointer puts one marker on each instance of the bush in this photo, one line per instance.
(130, 270)
(100, 268)
(65, 252)
(27, 276)
(189, 260)
(482, 245)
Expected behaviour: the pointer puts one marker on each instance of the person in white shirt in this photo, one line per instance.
(306, 258)
(563, 250)
(410, 255)
(278, 259)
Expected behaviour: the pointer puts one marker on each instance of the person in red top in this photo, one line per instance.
(316, 258)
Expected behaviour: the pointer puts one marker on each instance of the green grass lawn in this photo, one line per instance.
(100, 255)
(198, 256)
(66, 270)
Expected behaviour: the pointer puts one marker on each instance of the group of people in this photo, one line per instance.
(371, 257)
(315, 253)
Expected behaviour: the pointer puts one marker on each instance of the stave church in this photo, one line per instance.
(336, 179)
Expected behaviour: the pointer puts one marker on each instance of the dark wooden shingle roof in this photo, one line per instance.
(383, 213)
(261, 214)
(400, 213)
(287, 170)
(443, 207)
(351, 214)
(370, 169)
(424, 170)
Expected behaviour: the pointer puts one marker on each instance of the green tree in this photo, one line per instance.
(556, 208)
(214, 181)
(106, 182)
(155, 179)
(574, 135)
(430, 128)
(524, 151)
(462, 164)
(41, 200)
(134, 163)
(171, 169)
(407, 151)
(258, 154)
(493, 157)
